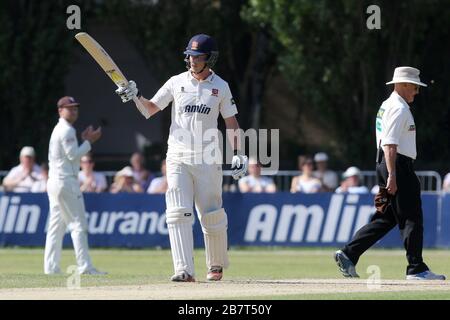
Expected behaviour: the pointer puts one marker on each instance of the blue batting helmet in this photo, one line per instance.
(202, 44)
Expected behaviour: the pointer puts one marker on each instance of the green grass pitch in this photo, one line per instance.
(23, 268)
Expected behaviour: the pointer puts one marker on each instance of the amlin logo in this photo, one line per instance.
(19, 218)
(313, 224)
(16, 217)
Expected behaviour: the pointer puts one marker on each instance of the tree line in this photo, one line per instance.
(311, 68)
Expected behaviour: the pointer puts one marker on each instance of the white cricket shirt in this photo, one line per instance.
(395, 125)
(64, 154)
(195, 108)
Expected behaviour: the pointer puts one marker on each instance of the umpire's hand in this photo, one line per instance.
(391, 184)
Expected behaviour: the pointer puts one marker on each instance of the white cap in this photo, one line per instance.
(406, 74)
(321, 156)
(350, 172)
(27, 152)
(125, 172)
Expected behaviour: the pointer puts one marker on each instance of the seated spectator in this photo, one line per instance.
(306, 182)
(351, 182)
(22, 177)
(254, 182)
(90, 180)
(328, 178)
(141, 175)
(446, 184)
(41, 184)
(159, 184)
(124, 182)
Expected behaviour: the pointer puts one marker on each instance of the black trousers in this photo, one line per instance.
(405, 211)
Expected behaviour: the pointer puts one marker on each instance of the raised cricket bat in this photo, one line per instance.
(107, 64)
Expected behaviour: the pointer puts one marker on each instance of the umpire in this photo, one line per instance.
(398, 201)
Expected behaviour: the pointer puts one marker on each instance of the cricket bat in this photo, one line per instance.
(107, 64)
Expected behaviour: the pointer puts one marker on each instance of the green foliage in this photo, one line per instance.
(34, 58)
(338, 67)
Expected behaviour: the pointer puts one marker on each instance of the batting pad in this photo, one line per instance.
(214, 226)
(179, 224)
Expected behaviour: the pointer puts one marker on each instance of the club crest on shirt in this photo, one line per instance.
(412, 128)
(215, 92)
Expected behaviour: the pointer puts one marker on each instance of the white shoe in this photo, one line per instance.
(426, 275)
(345, 265)
(95, 272)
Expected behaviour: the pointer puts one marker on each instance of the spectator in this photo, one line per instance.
(306, 182)
(328, 178)
(254, 182)
(124, 182)
(90, 180)
(141, 175)
(446, 184)
(41, 184)
(159, 184)
(22, 177)
(351, 182)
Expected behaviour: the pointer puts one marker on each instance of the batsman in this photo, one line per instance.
(197, 96)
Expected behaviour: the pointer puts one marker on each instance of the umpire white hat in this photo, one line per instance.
(406, 74)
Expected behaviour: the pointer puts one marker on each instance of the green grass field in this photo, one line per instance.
(22, 268)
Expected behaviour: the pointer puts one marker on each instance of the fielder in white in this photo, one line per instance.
(65, 198)
(197, 97)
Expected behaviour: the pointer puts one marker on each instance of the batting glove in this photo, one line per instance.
(240, 162)
(128, 92)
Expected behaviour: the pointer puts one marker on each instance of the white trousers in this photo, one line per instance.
(188, 184)
(66, 211)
